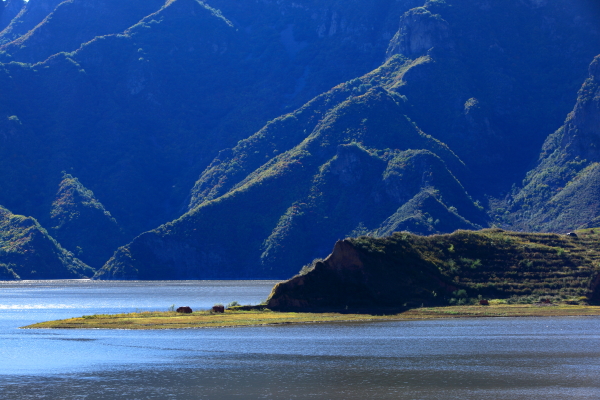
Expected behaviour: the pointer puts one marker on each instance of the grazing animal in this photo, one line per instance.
(184, 310)
(484, 303)
(218, 309)
(572, 234)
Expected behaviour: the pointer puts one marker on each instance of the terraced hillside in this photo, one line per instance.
(463, 267)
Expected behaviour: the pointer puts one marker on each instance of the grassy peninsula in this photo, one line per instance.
(235, 318)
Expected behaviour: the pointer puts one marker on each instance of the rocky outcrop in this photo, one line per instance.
(420, 31)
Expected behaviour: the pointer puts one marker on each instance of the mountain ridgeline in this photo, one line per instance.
(222, 139)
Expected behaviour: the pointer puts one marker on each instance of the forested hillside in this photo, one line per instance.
(223, 139)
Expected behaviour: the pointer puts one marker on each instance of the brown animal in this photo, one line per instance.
(484, 303)
(218, 309)
(185, 310)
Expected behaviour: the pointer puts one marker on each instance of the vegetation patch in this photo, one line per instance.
(254, 317)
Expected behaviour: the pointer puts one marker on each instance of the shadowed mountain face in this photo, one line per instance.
(563, 191)
(158, 107)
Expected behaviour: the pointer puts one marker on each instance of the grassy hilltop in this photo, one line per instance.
(460, 268)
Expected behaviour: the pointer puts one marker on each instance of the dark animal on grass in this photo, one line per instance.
(218, 309)
(184, 310)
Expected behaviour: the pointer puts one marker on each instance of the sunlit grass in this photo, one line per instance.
(205, 319)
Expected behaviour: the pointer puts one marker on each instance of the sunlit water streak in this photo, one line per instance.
(505, 358)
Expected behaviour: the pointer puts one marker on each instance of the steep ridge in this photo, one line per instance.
(30, 13)
(405, 270)
(562, 193)
(353, 170)
(138, 115)
(9, 10)
(73, 23)
(28, 252)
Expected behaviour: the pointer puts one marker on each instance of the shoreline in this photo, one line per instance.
(157, 320)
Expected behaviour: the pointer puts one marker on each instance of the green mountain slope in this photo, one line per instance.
(408, 270)
(138, 114)
(343, 162)
(28, 252)
(349, 161)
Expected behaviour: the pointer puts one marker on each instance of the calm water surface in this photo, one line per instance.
(504, 358)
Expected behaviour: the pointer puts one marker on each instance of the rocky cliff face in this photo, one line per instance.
(420, 31)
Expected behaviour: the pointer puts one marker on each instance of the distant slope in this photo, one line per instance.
(408, 270)
(82, 224)
(28, 252)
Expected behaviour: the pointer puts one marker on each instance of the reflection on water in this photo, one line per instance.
(506, 358)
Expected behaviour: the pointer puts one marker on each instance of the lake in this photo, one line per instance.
(488, 358)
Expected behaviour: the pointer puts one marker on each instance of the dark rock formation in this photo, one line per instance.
(346, 280)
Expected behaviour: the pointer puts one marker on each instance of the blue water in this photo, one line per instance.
(504, 358)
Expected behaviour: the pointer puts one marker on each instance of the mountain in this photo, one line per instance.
(408, 270)
(139, 114)
(225, 137)
(28, 252)
(361, 161)
(400, 148)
